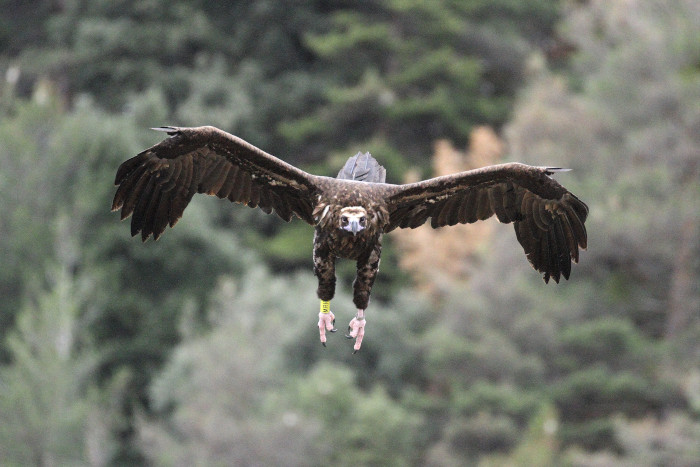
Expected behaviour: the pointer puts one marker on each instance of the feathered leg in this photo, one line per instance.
(324, 269)
(367, 268)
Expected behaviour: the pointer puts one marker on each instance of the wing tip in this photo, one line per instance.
(552, 170)
(170, 130)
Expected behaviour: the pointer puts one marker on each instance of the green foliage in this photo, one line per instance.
(616, 344)
(481, 434)
(596, 392)
(188, 351)
(637, 173)
(366, 428)
(218, 387)
(59, 183)
(538, 446)
(51, 413)
(416, 71)
(495, 398)
(232, 378)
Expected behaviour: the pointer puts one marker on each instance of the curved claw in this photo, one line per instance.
(326, 322)
(356, 330)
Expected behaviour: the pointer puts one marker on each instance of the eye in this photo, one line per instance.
(343, 220)
(362, 220)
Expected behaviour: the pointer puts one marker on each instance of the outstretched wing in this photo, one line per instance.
(548, 219)
(157, 184)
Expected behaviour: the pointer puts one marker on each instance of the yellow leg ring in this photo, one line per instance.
(325, 306)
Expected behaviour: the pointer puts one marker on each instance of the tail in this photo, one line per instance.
(363, 168)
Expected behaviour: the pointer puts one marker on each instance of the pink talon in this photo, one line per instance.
(356, 329)
(325, 322)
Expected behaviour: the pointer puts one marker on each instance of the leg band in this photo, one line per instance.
(325, 306)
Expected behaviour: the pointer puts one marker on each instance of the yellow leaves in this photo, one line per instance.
(438, 257)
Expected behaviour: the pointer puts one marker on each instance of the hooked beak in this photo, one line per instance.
(353, 226)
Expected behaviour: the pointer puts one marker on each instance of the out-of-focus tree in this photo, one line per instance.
(57, 185)
(411, 72)
(601, 344)
(633, 137)
(240, 65)
(626, 121)
(474, 375)
(670, 441)
(213, 394)
(539, 445)
(226, 396)
(438, 68)
(52, 413)
(452, 256)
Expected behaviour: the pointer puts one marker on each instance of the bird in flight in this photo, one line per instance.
(351, 212)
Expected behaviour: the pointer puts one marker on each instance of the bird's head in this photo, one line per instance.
(353, 219)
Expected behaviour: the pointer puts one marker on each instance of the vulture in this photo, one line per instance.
(351, 212)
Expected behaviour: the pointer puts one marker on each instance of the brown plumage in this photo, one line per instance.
(157, 184)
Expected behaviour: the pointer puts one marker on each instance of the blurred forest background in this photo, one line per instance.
(202, 348)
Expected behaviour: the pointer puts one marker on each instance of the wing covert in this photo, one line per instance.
(548, 219)
(155, 186)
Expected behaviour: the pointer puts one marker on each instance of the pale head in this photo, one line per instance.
(353, 219)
